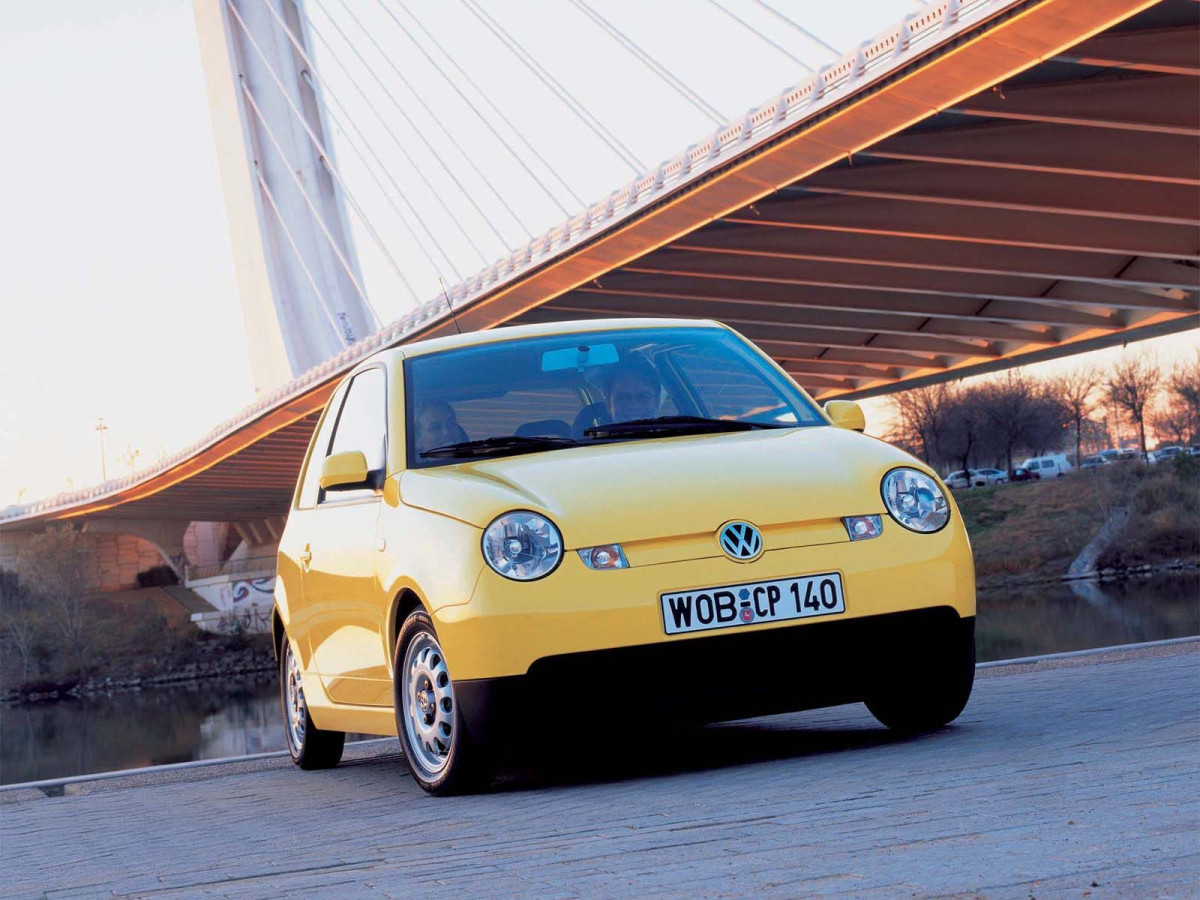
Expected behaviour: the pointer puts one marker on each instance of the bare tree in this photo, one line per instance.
(1181, 415)
(1075, 391)
(57, 563)
(1132, 384)
(966, 425)
(1015, 410)
(923, 423)
(130, 457)
(18, 613)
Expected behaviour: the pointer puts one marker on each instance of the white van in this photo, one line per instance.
(1055, 466)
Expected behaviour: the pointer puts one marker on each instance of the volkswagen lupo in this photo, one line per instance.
(633, 522)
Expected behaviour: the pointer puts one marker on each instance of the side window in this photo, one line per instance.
(362, 425)
(320, 449)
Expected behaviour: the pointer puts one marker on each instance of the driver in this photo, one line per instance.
(437, 425)
(634, 391)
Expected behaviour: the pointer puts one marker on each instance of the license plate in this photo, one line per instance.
(757, 601)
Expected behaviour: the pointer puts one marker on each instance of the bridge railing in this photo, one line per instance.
(251, 565)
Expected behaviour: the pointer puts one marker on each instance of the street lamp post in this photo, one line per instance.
(100, 429)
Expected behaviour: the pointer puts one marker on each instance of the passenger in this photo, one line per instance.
(634, 391)
(437, 425)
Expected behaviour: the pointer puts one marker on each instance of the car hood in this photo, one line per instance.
(667, 487)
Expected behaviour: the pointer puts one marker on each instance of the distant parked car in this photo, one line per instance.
(1022, 474)
(1054, 466)
(1195, 450)
(1164, 453)
(1095, 462)
(965, 478)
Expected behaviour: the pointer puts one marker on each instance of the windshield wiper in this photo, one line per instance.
(500, 446)
(674, 425)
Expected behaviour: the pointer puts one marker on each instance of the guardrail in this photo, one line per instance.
(252, 565)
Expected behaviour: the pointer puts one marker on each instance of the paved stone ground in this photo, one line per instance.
(1080, 779)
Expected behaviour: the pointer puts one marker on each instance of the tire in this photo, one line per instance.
(311, 747)
(927, 684)
(440, 752)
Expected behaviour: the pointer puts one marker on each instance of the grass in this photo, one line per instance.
(1031, 531)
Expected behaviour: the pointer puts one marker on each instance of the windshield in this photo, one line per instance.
(550, 393)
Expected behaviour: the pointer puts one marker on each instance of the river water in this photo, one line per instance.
(208, 720)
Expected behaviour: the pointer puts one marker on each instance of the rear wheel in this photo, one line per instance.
(441, 754)
(928, 681)
(311, 747)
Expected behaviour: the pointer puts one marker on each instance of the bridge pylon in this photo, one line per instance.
(297, 271)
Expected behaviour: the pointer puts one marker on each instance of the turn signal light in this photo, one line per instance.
(863, 528)
(606, 556)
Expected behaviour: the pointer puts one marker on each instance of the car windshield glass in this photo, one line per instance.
(547, 394)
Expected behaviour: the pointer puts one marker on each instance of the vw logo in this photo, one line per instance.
(740, 541)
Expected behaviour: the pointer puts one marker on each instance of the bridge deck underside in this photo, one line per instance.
(1055, 212)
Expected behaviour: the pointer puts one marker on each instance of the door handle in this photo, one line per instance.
(305, 557)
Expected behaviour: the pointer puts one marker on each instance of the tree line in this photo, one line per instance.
(994, 421)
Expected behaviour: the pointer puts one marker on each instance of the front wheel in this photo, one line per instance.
(311, 747)
(929, 680)
(441, 754)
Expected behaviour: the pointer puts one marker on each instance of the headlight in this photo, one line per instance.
(915, 500)
(522, 546)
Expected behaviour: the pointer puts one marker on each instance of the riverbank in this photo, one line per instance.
(226, 661)
(1030, 532)
(136, 640)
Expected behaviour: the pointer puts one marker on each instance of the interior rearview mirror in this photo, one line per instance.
(846, 414)
(342, 471)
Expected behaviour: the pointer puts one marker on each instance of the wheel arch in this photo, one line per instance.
(405, 601)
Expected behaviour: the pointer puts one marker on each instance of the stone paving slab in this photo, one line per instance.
(1079, 779)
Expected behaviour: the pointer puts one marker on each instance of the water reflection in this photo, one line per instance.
(1056, 618)
(206, 721)
(126, 731)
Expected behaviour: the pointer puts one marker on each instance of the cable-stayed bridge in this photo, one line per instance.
(985, 184)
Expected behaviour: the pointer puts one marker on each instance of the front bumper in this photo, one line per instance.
(742, 674)
(507, 626)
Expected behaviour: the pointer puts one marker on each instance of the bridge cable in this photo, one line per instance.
(755, 31)
(505, 243)
(341, 124)
(249, 95)
(625, 41)
(568, 99)
(800, 28)
(315, 81)
(513, 153)
(326, 161)
(262, 183)
(496, 109)
(395, 138)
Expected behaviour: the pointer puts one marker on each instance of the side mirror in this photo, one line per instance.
(343, 471)
(846, 414)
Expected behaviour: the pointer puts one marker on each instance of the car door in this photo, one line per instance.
(341, 589)
(295, 544)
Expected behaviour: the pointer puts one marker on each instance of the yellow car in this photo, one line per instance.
(636, 521)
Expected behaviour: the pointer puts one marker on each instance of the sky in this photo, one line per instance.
(117, 294)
